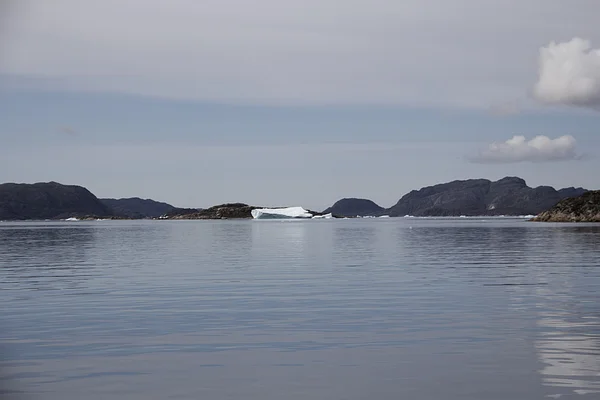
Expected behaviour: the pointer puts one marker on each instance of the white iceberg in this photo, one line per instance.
(324, 216)
(280, 213)
(72, 219)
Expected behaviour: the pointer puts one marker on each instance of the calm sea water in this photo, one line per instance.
(329, 309)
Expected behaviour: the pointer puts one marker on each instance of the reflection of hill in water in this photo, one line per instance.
(45, 257)
(494, 252)
(497, 239)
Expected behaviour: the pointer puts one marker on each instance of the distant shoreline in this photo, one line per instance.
(509, 197)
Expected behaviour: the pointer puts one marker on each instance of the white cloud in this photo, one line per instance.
(569, 73)
(538, 149)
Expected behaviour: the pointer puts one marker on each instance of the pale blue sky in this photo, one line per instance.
(284, 106)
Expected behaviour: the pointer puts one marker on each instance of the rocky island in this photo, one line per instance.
(584, 208)
(352, 207)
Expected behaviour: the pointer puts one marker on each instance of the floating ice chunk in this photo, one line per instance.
(280, 213)
(384, 216)
(72, 219)
(324, 216)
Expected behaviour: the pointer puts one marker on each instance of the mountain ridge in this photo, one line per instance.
(475, 197)
(135, 207)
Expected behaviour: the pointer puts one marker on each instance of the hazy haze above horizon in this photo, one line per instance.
(274, 103)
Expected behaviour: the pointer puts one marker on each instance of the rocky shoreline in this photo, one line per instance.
(584, 208)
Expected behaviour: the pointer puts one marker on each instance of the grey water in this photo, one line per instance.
(330, 309)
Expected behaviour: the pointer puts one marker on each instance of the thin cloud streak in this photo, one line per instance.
(505, 109)
(519, 149)
(67, 130)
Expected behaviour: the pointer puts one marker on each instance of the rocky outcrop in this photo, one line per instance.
(473, 197)
(352, 207)
(222, 211)
(49, 200)
(135, 207)
(179, 212)
(583, 208)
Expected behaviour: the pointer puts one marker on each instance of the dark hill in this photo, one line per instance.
(508, 196)
(20, 201)
(352, 207)
(583, 208)
(135, 207)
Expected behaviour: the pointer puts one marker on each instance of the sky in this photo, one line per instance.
(281, 103)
